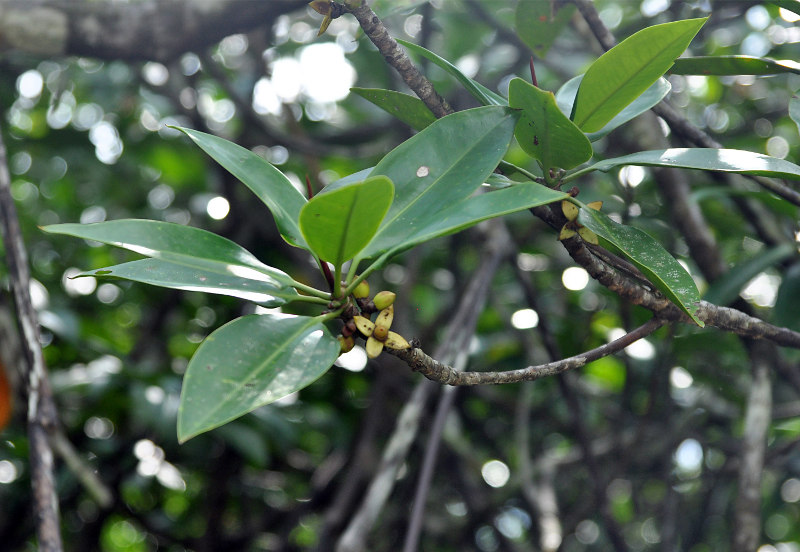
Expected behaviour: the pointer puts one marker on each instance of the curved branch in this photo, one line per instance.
(436, 371)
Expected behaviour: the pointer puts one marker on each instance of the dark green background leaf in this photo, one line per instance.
(732, 65)
(724, 291)
(250, 362)
(538, 23)
(478, 91)
(409, 109)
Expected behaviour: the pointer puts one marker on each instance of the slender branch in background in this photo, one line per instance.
(397, 58)
(42, 418)
(495, 250)
(747, 509)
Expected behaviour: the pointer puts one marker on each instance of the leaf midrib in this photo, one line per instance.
(386, 224)
(616, 90)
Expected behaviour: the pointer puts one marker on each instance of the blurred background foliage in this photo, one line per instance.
(88, 141)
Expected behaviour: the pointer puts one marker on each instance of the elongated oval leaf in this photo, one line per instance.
(409, 109)
(565, 98)
(338, 224)
(471, 211)
(708, 159)
(725, 290)
(649, 256)
(270, 185)
(543, 131)
(440, 166)
(478, 91)
(181, 245)
(624, 72)
(539, 23)
(732, 65)
(250, 362)
(262, 289)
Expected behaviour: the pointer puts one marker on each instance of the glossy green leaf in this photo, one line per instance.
(543, 131)
(261, 289)
(775, 203)
(539, 23)
(794, 110)
(649, 256)
(442, 165)
(623, 73)
(478, 91)
(724, 291)
(708, 159)
(268, 183)
(195, 253)
(785, 310)
(732, 65)
(338, 224)
(480, 207)
(250, 362)
(409, 109)
(565, 98)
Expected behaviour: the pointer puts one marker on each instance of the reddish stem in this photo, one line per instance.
(533, 74)
(309, 189)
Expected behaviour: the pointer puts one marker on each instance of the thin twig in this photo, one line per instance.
(41, 410)
(442, 373)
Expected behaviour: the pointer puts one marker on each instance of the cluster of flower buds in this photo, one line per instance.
(377, 334)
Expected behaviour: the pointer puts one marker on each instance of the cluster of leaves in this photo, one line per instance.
(421, 190)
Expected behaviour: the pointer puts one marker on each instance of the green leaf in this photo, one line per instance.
(732, 65)
(794, 110)
(543, 131)
(250, 362)
(192, 252)
(654, 261)
(624, 72)
(338, 224)
(707, 159)
(206, 278)
(268, 183)
(478, 91)
(409, 109)
(785, 311)
(539, 23)
(480, 207)
(565, 98)
(725, 290)
(440, 166)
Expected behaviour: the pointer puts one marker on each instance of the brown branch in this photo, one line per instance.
(437, 371)
(747, 509)
(41, 409)
(388, 47)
